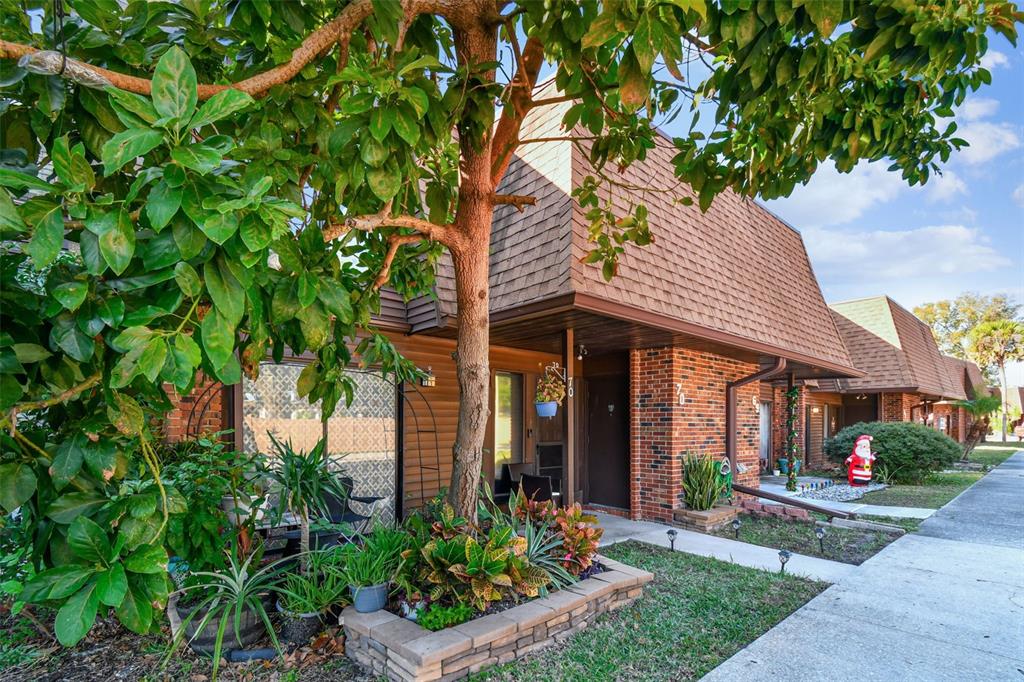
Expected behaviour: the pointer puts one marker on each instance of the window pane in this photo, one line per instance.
(508, 419)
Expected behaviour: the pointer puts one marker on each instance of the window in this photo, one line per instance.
(508, 419)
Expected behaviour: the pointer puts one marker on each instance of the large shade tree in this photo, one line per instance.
(191, 186)
(952, 320)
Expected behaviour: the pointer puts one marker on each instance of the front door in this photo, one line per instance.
(608, 440)
(765, 413)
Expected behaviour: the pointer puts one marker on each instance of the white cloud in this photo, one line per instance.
(994, 59)
(1018, 195)
(870, 257)
(977, 108)
(945, 187)
(987, 140)
(834, 198)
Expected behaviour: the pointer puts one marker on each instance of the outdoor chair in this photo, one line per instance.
(339, 511)
(537, 488)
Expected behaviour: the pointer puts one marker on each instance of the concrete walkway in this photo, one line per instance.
(944, 604)
(618, 529)
(854, 506)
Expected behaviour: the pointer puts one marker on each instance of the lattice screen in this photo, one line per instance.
(362, 439)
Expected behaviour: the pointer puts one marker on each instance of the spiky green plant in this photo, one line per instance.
(702, 485)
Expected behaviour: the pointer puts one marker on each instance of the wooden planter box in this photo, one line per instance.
(400, 649)
(706, 521)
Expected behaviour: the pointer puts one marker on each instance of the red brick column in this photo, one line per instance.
(206, 399)
(663, 430)
(896, 406)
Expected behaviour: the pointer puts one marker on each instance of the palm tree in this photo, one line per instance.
(980, 409)
(997, 343)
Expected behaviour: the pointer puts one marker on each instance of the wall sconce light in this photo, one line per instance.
(428, 380)
(815, 410)
(755, 402)
(862, 396)
(581, 352)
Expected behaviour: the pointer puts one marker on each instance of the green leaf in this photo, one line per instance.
(117, 245)
(137, 105)
(336, 299)
(112, 585)
(68, 460)
(647, 37)
(10, 221)
(308, 286)
(314, 323)
(418, 99)
(188, 237)
(381, 119)
(11, 391)
(188, 279)
(88, 541)
(198, 157)
(67, 508)
(385, 181)
(219, 227)
(126, 415)
(135, 612)
(256, 234)
(71, 294)
(602, 29)
(373, 153)
(128, 145)
(147, 559)
(174, 86)
(71, 166)
(75, 618)
(66, 334)
(406, 125)
(162, 204)
(17, 483)
(111, 311)
(189, 348)
(309, 377)
(56, 583)
(47, 238)
(221, 105)
(225, 290)
(151, 361)
(218, 338)
(101, 459)
(826, 15)
(30, 352)
(18, 180)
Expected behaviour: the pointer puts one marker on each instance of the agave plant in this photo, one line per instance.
(535, 562)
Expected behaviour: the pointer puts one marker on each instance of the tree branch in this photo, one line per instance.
(12, 414)
(394, 242)
(517, 200)
(337, 31)
(506, 135)
(369, 223)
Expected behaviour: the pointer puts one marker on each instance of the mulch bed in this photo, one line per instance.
(109, 652)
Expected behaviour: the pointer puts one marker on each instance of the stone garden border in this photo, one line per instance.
(401, 650)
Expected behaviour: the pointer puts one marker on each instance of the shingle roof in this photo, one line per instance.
(736, 269)
(968, 374)
(894, 348)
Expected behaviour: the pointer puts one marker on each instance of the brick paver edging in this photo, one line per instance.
(402, 650)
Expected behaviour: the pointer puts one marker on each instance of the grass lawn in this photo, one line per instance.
(849, 545)
(938, 489)
(993, 454)
(697, 613)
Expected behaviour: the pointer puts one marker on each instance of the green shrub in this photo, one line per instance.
(906, 451)
(438, 617)
(701, 483)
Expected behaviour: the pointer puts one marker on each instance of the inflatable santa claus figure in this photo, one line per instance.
(859, 461)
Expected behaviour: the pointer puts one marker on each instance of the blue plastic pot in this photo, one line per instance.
(784, 466)
(369, 599)
(548, 409)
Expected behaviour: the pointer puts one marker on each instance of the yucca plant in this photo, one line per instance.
(306, 482)
(224, 597)
(702, 485)
(537, 565)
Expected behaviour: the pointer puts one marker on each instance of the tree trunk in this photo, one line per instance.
(977, 431)
(470, 251)
(1002, 377)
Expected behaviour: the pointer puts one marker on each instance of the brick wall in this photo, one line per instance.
(896, 406)
(662, 430)
(207, 401)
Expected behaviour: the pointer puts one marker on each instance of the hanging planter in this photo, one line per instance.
(550, 391)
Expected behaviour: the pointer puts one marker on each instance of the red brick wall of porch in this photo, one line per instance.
(662, 430)
(896, 406)
(779, 422)
(209, 417)
(956, 418)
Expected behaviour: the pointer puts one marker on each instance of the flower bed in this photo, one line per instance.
(400, 649)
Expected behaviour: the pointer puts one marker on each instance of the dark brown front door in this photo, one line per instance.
(859, 409)
(608, 440)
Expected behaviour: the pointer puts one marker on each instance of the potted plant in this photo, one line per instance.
(369, 572)
(229, 607)
(303, 600)
(306, 485)
(550, 394)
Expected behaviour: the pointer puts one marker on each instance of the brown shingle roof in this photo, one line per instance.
(968, 375)
(736, 270)
(894, 348)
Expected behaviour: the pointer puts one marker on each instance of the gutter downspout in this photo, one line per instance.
(730, 405)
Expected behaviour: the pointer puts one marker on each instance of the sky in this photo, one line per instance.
(869, 233)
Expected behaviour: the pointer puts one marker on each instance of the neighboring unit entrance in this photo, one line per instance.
(765, 452)
(608, 440)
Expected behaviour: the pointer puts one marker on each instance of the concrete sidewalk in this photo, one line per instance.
(618, 529)
(944, 604)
